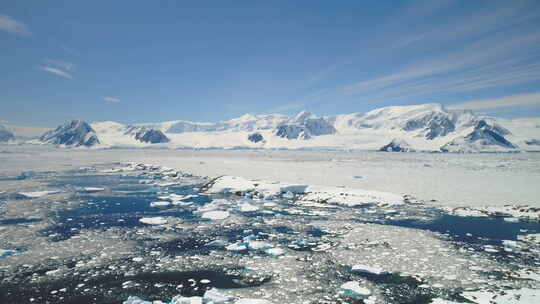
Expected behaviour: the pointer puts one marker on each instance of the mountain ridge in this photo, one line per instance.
(427, 127)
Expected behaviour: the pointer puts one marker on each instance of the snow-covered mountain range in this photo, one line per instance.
(428, 127)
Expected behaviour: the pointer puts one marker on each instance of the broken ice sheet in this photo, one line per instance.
(37, 194)
(285, 252)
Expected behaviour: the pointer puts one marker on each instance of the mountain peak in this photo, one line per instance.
(72, 133)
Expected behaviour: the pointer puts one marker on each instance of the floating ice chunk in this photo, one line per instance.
(252, 301)
(87, 169)
(353, 288)
(443, 301)
(216, 204)
(239, 246)
(368, 269)
(37, 194)
(245, 207)
(186, 300)
(53, 272)
(216, 244)
(214, 296)
(532, 237)
(268, 197)
(274, 252)
(490, 248)
(160, 204)
(510, 244)
(258, 245)
(215, 215)
(511, 219)
(4, 253)
(135, 300)
(288, 195)
(93, 189)
(158, 220)
(177, 197)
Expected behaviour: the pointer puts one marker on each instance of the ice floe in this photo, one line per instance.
(37, 194)
(160, 204)
(215, 215)
(511, 213)
(4, 253)
(332, 195)
(212, 296)
(93, 189)
(521, 296)
(252, 301)
(153, 220)
(353, 288)
(531, 237)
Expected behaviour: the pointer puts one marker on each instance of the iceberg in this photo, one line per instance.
(353, 288)
(239, 246)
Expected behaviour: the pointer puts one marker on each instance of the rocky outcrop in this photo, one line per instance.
(255, 137)
(484, 137)
(304, 126)
(293, 132)
(73, 133)
(147, 135)
(433, 124)
(397, 145)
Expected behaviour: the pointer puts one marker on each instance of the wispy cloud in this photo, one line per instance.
(64, 65)
(521, 100)
(70, 50)
(57, 72)
(58, 67)
(493, 45)
(12, 26)
(111, 99)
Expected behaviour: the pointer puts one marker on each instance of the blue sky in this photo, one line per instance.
(148, 61)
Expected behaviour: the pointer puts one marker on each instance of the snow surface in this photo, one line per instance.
(451, 179)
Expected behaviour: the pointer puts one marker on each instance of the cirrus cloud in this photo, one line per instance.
(12, 26)
(57, 72)
(520, 100)
(111, 99)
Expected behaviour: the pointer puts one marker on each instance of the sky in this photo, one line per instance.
(151, 61)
